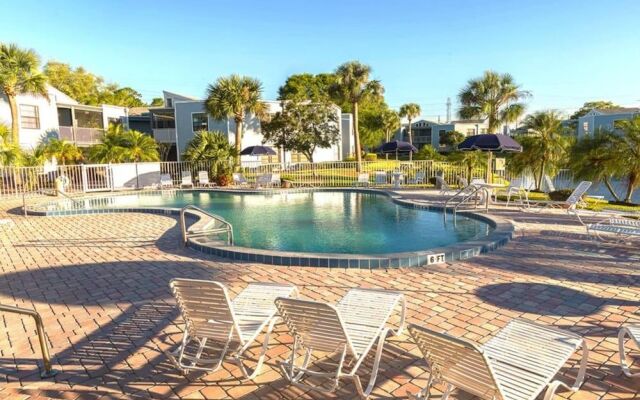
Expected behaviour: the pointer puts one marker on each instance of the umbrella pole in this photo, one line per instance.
(489, 169)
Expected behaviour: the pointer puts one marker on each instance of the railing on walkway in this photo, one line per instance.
(44, 349)
(219, 225)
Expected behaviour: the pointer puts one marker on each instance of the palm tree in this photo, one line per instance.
(626, 153)
(139, 147)
(593, 158)
(353, 86)
(9, 151)
(409, 111)
(390, 122)
(19, 74)
(111, 148)
(62, 150)
(235, 96)
(545, 146)
(495, 97)
(211, 146)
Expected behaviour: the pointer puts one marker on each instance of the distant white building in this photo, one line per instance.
(426, 132)
(59, 116)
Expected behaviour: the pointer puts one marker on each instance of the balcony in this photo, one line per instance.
(164, 135)
(81, 136)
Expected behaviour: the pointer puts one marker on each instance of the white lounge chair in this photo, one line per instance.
(165, 181)
(548, 184)
(351, 328)
(633, 332)
(263, 180)
(620, 227)
(419, 179)
(275, 180)
(463, 182)
(517, 364)
(215, 323)
(570, 204)
(186, 180)
(516, 186)
(444, 187)
(203, 179)
(239, 179)
(381, 178)
(363, 180)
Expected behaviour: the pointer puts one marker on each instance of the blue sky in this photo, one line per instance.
(564, 52)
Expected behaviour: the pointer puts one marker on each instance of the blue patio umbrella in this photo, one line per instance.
(491, 143)
(258, 151)
(397, 146)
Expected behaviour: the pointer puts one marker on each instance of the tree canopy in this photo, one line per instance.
(118, 145)
(307, 86)
(590, 105)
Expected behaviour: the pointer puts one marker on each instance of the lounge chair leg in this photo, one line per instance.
(447, 392)
(203, 342)
(425, 392)
(237, 357)
(623, 357)
(374, 371)
(553, 386)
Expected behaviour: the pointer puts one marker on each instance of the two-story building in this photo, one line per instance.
(181, 117)
(598, 119)
(60, 116)
(426, 132)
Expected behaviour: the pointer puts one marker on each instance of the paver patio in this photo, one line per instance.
(100, 283)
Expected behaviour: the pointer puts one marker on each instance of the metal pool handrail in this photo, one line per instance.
(467, 195)
(44, 349)
(226, 226)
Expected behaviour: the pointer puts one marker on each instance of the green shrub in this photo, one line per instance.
(370, 157)
(350, 158)
(560, 195)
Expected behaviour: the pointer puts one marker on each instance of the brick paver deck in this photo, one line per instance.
(100, 283)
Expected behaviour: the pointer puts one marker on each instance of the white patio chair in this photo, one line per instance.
(275, 180)
(239, 179)
(633, 332)
(570, 204)
(444, 187)
(351, 328)
(381, 178)
(623, 228)
(363, 180)
(203, 179)
(517, 364)
(165, 181)
(210, 316)
(548, 184)
(186, 180)
(263, 180)
(516, 186)
(419, 179)
(463, 182)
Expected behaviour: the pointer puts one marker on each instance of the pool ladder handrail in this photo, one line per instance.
(44, 349)
(469, 192)
(46, 192)
(225, 228)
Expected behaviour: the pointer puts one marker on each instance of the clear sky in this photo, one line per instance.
(565, 52)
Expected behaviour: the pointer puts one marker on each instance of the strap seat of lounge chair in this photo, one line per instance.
(516, 364)
(210, 316)
(633, 332)
(352, 327)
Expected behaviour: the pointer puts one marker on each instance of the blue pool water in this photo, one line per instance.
(320, 222)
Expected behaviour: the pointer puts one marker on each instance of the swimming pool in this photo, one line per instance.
(326, 221)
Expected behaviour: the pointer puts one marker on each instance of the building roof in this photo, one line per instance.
(469, 121)
(138, 111)
(617, 110)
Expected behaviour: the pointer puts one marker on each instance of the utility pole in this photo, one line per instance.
(448, 109)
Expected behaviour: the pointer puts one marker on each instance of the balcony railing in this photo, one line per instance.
(165, 135)
(81, 136)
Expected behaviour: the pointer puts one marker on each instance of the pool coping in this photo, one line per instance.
(502, 233)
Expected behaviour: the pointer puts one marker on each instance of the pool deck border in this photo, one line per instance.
(502, 233)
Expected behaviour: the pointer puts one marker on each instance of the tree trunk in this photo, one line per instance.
(410, 141)
(609, 186)
(15, 138)
(239, 127)
(356, 137)
(631, 187)
(541, 175)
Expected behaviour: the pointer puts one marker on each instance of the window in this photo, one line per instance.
(199, 122)
(169, 102)
(585, 127)
(471, 131)
(29, 118)
(483, 130)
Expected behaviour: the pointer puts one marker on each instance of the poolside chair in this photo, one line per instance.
(215, 323)
(186, 180)
(165, 181)
(463, 182)
(516, 364)
(633, 331)
(381, 178)
(516, 186)
(350, 328)
(548, 184)
(363, 180)
(444, 187)
(623, 228)
(203, 179)
(239, 179)
(263, 180)
(275, 180)
(570, 204)
(419, 179)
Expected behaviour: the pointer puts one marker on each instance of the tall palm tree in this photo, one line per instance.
(9, 151)
(409, 111)
(353, 86)
(390, 122)
(64, 151)
(19, 74)
(545, 147)
(139, 147)
(235, 96)
(593, 158)
(493, 96)
(626, 153)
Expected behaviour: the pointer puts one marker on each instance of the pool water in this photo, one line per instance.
(319, 221)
